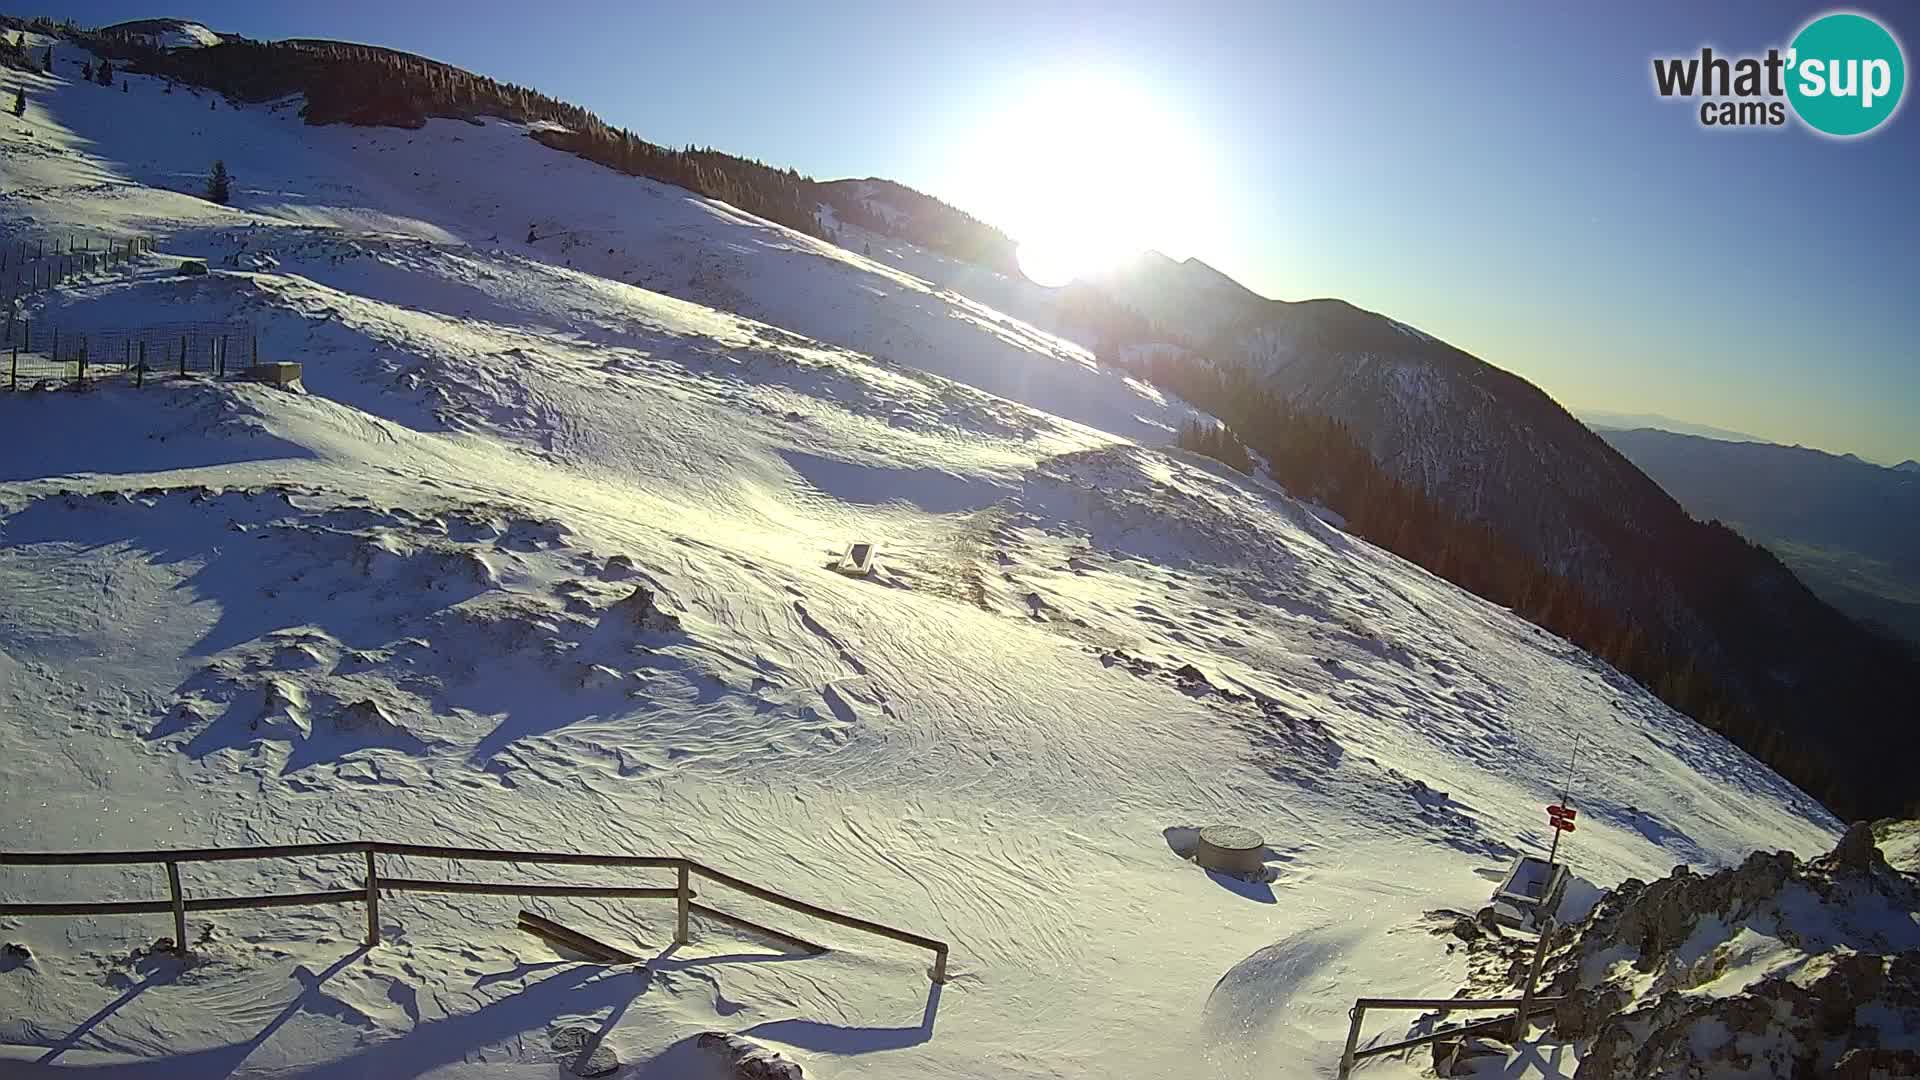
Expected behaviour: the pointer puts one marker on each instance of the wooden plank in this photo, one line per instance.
(99, 907)
(804, 908)
(493, 888)
(683, 894)
(1447, 1033)
(542, 927)
(179, 908)
(1450, 1004)
(373, 901)
(112, 858)
(555, 858)
(205, 903)
(305, 899)
(755, 928)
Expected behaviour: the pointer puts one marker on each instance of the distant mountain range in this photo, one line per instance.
(1619, 421)
(1498, 451)
(1792, 672)
(1849, 528)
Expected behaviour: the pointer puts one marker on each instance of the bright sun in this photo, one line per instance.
(1088, 176)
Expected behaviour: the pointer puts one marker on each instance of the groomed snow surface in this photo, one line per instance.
(394, 607)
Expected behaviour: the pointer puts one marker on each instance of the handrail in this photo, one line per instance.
(1525, 1007)
(368, 891)
(161, 855)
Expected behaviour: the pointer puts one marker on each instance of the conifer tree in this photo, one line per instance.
(219, 185)
(19, 102)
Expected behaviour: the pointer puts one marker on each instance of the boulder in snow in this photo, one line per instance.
(746, 1059)
(586, 1055)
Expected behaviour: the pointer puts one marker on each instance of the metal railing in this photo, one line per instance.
(1525, 1008)
(369, 889)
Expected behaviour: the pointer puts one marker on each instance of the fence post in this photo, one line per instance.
(1359, 1015)
(373, 901)
(183, 354)
(1520, 1019)
(179, 909)
(940, 965)
(13, 375)
(140, 373)
(683, 898)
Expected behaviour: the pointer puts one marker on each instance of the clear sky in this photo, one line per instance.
(1502, 176)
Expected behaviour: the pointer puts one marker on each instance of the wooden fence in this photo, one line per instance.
(1525, 1008)
(368, 890)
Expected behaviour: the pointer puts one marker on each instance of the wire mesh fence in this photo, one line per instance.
(30, 266)
(39, 354)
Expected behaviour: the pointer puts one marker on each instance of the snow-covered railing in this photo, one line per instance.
(368, 892)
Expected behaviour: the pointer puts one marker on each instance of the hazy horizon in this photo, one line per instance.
(1501, 178)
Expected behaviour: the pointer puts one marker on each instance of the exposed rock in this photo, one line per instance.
(13, 955)
(1877, 1064)
(1857, 850)
(618, 568)
(1582, 1011)
(746, 1059)
(639, 608)
(1465, 928)
(368, 716)
(1645, 977)
(586, 1055)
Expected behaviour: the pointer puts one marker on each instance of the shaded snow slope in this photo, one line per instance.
(406, 605)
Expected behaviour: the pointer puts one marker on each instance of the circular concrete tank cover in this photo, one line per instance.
(1230, 849)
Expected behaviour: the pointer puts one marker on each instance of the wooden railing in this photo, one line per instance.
(1525, 1008)
(368, 892)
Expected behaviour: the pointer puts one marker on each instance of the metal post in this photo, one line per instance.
(13, 374)
(373, 901)
(179, 909)
(683, 898)
(1359, 1014)
(140, 373)
(1520, 1018)
(183, 354)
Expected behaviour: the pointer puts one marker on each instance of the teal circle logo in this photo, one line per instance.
(1846, 74)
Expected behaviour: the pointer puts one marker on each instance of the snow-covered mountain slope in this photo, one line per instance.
(167, 33)
(404, 605)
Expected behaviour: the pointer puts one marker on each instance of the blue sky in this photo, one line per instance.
(1502, 176)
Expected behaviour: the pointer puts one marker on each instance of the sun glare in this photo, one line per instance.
(1079, 196)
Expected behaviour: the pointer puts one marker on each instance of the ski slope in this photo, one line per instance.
(398, 606)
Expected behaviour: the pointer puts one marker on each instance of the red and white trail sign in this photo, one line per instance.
(1568, 812)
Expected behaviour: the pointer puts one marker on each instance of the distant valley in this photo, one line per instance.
(1848, 528)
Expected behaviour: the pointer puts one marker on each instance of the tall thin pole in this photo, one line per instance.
(1566, 789)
